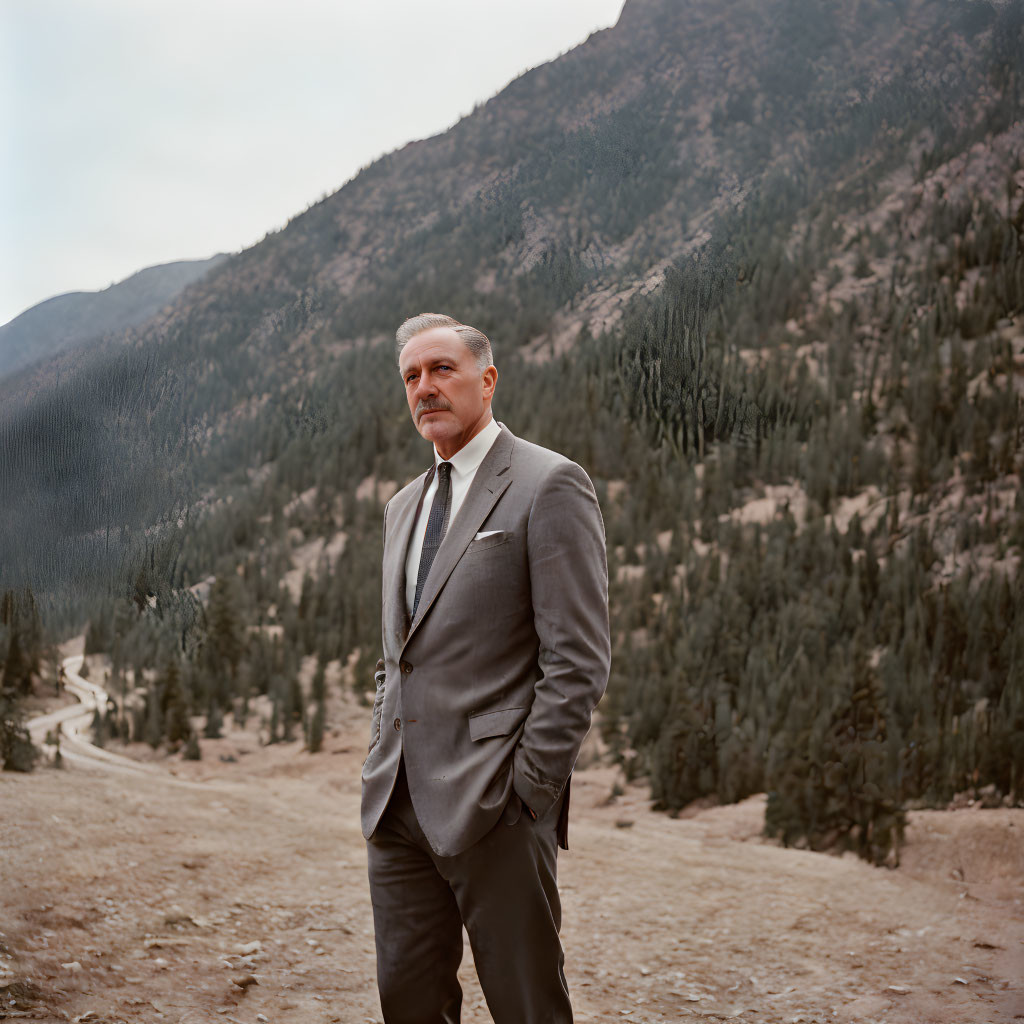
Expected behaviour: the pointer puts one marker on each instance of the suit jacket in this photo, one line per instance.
(491, 687)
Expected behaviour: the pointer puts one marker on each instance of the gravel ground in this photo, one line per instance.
(236, 890)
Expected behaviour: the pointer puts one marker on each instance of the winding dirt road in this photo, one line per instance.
(74, 723)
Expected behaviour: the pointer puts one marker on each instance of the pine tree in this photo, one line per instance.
(275, 719)
(177, 724)
(16, 677)
(16, 751)
(316, 729)
(98, 728)
(154, 727)
(192, 750)
(871, 813)
(214, 721)
(319, 688)
(225, 632)
(139, 720)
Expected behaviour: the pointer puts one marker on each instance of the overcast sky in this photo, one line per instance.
(135, 132)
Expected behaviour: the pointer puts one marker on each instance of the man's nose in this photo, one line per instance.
(424, 386)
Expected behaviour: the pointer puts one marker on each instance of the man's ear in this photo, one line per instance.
(490, 379)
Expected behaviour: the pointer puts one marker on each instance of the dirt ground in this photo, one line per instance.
(234, 889)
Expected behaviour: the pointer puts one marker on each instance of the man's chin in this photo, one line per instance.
(431, 428)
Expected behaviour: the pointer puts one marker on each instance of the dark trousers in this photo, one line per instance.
(502, 888)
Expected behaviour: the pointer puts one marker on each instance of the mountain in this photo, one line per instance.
(759, 269)
(71, 319)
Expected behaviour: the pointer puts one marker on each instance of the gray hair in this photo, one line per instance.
(476, 341)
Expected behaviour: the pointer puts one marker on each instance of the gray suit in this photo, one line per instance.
(484, 700)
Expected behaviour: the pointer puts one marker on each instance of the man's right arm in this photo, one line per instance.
(379, 674)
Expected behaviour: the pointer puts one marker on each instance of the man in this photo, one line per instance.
(496, 651)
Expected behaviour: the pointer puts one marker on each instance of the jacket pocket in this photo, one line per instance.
(495, 723)
(491, 540)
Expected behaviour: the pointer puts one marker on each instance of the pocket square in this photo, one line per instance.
(487, 533)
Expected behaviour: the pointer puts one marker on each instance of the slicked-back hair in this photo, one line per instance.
(476, 341)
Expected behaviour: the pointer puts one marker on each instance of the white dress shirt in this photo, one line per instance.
(465, 462)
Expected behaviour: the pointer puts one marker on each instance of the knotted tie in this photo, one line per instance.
(437, 524)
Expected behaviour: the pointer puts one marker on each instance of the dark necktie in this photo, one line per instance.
(437, 524)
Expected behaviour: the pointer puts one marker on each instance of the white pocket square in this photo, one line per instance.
(487, 533)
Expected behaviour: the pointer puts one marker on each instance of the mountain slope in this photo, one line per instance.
(76, 317)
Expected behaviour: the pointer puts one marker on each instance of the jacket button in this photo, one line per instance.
(406, 667)
(398, 725)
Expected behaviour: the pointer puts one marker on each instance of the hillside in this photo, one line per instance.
(68, 320)
(760, 270)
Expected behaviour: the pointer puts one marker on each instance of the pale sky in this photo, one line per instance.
(136, 132)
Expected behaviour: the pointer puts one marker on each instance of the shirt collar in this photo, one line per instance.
(468, 458)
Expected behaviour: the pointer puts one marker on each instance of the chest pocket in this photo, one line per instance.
(490, 540)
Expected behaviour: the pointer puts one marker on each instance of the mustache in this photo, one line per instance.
(431, 405)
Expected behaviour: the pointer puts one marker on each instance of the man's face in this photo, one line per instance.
(449, 398)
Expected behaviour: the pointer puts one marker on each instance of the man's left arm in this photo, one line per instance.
(569, 589)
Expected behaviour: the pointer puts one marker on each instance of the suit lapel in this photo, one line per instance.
(490, 482)
(399, 531)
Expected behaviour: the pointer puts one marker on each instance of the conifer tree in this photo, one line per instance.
(214, 721)
(153, 732)
(17, 754)
(176, 718)
(192, 750)
(316, 729)
(319, 688)
(225, 633)
(98, 728)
